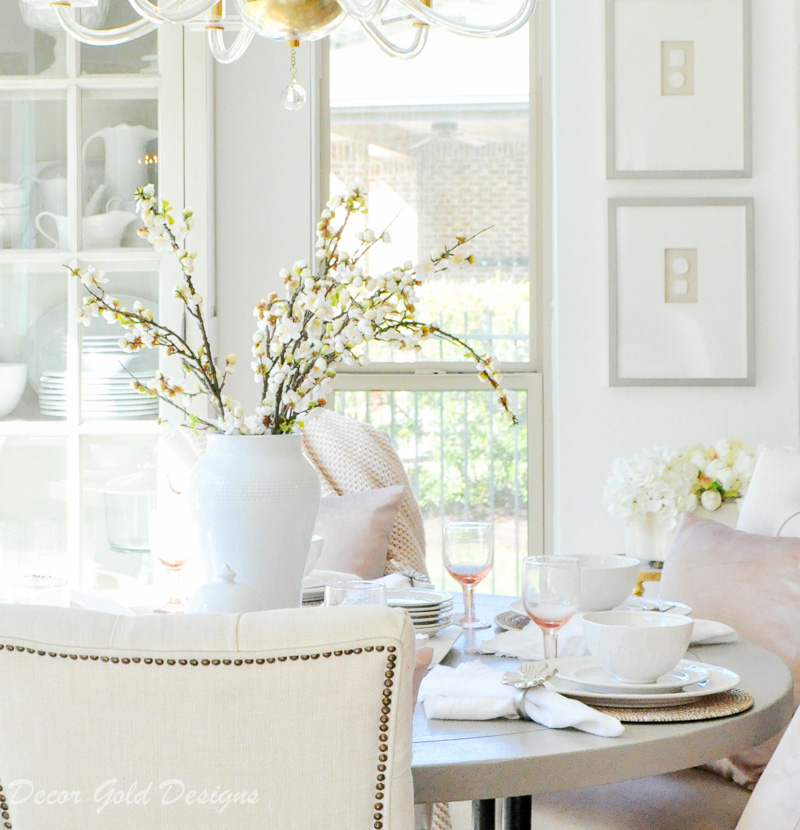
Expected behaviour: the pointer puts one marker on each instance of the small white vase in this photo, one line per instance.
(254, 500)
(647, 540)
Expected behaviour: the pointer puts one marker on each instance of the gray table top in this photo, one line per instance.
(466, 760)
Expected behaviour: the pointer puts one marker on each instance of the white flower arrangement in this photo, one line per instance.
(666, 483)
(323, 320)
(654, 482)
(724, 471)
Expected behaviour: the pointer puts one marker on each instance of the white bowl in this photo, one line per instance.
(637, 646)
(12, 385)
(607, 581)
(12, 195)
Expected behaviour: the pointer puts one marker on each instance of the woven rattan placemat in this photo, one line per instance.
(714, 706)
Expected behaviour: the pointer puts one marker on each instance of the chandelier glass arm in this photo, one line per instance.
(102, 37)
(228, 54)
(392, 49)
(363, 9)
(427, 15)
(175, 12)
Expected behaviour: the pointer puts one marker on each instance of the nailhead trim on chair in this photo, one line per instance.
(386, 706)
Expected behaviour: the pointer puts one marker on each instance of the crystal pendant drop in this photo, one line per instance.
(294, 96)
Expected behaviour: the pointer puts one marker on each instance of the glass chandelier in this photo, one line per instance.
(291, 21)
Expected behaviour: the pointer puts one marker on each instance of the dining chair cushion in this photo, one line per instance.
(304, 716)
(356, 529)
(749, 581)
(691, 799)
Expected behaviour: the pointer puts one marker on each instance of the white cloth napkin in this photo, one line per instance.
(710, 632)
(527, 643)
(474, 691)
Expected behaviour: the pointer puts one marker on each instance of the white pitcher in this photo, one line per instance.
(125, 148)
(104, 230)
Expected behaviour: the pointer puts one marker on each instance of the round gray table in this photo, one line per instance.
(486, 760)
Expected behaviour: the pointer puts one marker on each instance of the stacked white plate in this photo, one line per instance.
(430, 610)
(104, 396)
(107, 385)
(690, 680)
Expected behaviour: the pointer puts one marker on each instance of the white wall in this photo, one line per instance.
(263, 163)
(595, 423)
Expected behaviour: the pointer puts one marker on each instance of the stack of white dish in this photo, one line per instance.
(13, 213)
(107, 372)
(104, 396)
(430, 611)
(584, 679)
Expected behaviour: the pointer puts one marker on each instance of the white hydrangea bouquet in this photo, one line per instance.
(655, 482)
(323, 320)
(666, 483)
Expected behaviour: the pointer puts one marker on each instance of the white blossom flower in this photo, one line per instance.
(324, 318)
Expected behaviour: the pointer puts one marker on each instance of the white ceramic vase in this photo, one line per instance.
(254, 500)
(647, 540)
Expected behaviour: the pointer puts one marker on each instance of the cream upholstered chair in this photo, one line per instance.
(293, 719)
(771, 506)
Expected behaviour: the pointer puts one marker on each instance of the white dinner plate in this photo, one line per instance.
(432, 629)
(435, 620)
(594, 678)
(718, 680)
(417, 598)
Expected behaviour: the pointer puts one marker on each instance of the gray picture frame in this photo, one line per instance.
(684, 166)
(746, 328)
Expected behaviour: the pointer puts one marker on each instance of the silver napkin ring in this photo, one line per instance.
(519, 704)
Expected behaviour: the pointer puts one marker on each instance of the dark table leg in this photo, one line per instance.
(483, 814)
(517, 813)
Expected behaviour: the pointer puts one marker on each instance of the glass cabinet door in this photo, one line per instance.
(80, 129)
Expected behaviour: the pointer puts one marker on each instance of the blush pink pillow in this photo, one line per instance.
(749, 581)
(356, 529)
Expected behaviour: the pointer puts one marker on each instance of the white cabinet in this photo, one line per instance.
(80, 127)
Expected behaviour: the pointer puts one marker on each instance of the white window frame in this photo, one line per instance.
(447, 376)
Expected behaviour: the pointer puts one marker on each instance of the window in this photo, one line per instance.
(442, 143)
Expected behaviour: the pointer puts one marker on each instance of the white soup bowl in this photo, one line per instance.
(607, 581)
(637, 646)
(12, 385)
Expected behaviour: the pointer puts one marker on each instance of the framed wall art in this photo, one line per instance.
(681, 292)
(678, 88)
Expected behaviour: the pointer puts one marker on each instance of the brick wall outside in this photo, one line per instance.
(456, 188)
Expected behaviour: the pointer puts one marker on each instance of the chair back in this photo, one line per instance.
(775, 802)
(284, 720)
(771, 506)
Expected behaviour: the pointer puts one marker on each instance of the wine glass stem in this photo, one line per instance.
(174, 580)
(469, 603)
(550, 644)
